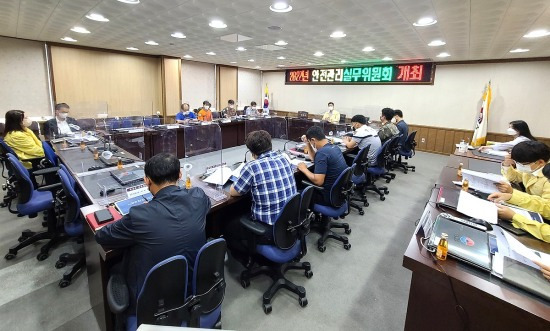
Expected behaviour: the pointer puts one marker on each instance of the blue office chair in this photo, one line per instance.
(30, 202)
(156, 120)
(50, 154)
(113, 124)
(7, 174)
(126, 123)
(359, 179)
(281, 254)
(72, 225)
(338, 208)
(407, 151)
(5, 148)
(147, 121)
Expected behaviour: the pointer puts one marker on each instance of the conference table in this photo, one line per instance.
(202, 149)
(438, 288)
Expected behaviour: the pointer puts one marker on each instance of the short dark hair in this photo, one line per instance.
(163, 168)
(231, 102)
(13, 121)
(61, 105)
(253, 103)
(398, 112)
(315, 132)
(359, 119)
(387, 113)
(331, 103)
(258, 142)
(546, 171)
(205, 102)
(530, 151)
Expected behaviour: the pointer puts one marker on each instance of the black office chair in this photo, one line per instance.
(8, 175)
(406, 150)
(86, 124)
(342, 119)
(359, 179)
(391, 154)
(338, 208)
(215, 115)
(284, 254)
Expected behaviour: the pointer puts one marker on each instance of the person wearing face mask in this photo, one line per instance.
(172, 223)
(363, 137)
(329, 163)
(388, 130)
(185, 114)
(517, 129)
(230, 110)
(331, 115)
(20, 138)
(252, 110)
(61, 124)
(205, 114)
(401, 125)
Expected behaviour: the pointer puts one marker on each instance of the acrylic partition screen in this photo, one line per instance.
(298, 127)
(275, 126)
(203, 146)
(162, 137)
(130, 141)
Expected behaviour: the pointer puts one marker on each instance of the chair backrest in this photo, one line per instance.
(113, 124)
(342, 118)
(302, 114)
(208, 271)
(305, 201)
(410, 143)
(25, 187)
(71, 179)
(2, 129)
(49, 153)
(164, 288)
(156, 120)
(86, 124)
(361, 161)
(215, 115)
(381, 154)
(5, 148)
(288, 217)
(126, 123)
(147, 121)
(338, 190)
(72, 202)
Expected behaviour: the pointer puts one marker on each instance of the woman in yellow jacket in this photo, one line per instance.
(20, 138)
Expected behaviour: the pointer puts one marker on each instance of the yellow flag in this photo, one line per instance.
(480, 133)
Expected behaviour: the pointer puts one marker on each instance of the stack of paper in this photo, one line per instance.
(481, 181)
(220, 176)
(493, 152)
(477, 208)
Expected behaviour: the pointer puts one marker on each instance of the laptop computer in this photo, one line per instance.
(466, 243)
(448, 197)
(125, 177)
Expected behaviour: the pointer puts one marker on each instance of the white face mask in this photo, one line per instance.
(526, 168)
(231, 106)
(63, 115)
(27, 122)
(206, 107)
(511, 132)
(393, 120)
(330, 108)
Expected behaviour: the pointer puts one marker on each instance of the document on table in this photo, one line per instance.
(219, 177)
(526, 213)
(481, 181)
(496, 153)
(524, 254)
(475, 207)
(237, 172)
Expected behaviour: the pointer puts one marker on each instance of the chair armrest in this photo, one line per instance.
(353, 156)
(308, 183)
(118, 296)
(253, 227)
(52, 187)
(32, 160)
(45, 171)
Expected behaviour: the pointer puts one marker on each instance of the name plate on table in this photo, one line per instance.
(135, 130)
(172, 126)
(137, 191)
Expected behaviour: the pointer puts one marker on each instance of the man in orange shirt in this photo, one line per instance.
(205, 114)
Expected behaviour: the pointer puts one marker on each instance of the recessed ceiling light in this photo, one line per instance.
(233, 62)
(281, 43)
(97, 17)
(437, 43)
(343, 61)
(537, 34)
(217, 24)
(257, 67)
(187, 56)
(519, 50)
(80, 29)
(132, 48)
(178, 35)
(337, 34)
(425, 21)
(251, 60)
(280, 7)
(210, 53)
(387, 58)
(309, 63)
(280, 65)
(132, 2)
(240, 49)
(152, 43)
(318, 53)
(69, 39)
(281, 58)
(443, 54)
(368, 49)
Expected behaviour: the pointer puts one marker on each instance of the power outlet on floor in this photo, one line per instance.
(423, 140)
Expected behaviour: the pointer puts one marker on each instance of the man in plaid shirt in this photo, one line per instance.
(270, 179)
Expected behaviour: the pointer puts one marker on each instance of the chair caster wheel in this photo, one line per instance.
(347, 246)
(9, 256)
(245, 283)
(308, 274)
(348, 231)
(60, 264)
(386, 191)
(64, 283)
(42, 256)
(366, 204)
(361, 212)
(413, 170)
(382, 198)
(388, 180)
(302, 302)
(322, 249)
(267, 308)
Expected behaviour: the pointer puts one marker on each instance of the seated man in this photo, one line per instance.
(270, 179)
(363, 137)
(205, 114)
(329, 163)
(331, 115)
(529, 157)
(61, 124)
(171, 224)
(230, 110)
(252, 110)
(401, 126)
(388, 130)
(185, 114)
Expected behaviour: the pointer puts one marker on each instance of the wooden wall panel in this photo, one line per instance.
(171, 85)
(95, 81)
(227, 85)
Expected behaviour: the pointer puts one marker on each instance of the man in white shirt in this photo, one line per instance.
(363, 136)
(61, 124)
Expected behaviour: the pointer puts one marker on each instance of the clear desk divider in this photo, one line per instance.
(129, 145)
(297, 127)
(164, 137)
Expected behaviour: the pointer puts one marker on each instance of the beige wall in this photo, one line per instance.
(23, 77)
(227, 85)
(198, 83)
(519, 92)
(172, 85)
(92, 82)
(250, 87)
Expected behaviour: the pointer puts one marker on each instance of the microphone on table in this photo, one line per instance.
(248, 151)
(288, 141)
